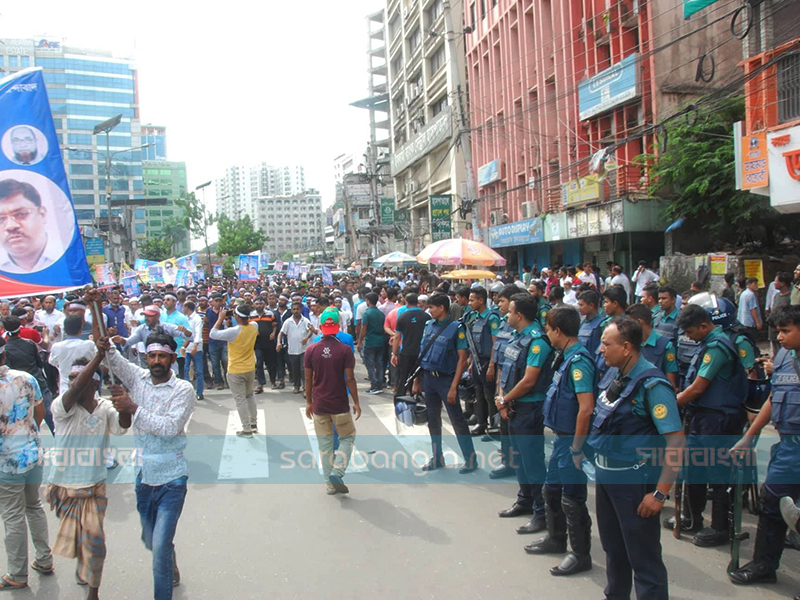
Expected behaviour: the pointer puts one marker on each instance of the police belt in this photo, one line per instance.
(612, 464)
(439, 373)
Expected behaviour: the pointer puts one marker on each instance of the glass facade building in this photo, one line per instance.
(87, 87)
(156, 136)
(165, 179)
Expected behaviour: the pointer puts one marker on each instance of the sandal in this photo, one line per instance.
(78, 579)
(7, 584)
(43, 570)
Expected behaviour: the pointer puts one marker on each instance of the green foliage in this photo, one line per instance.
(229, 267)
(195, 217)
(173, 232)
(697, 175)
(238, 237)
(154, 248)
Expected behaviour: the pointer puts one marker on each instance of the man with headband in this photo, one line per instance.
(241, 364)
(160, 405)
(77, 491)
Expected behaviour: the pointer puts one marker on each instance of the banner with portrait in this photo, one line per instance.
(104, 274)
(327, 276)
(199, 275)
(188, 262)
(248, 267)
(131, 286)
(169, 270)
(217, 270)
(182, 279)
(263, 261)
(40, 243)
(155, 274)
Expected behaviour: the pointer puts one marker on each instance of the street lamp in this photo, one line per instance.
(203, 187)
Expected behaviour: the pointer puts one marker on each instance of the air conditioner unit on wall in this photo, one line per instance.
(527, 210)
(496, 217)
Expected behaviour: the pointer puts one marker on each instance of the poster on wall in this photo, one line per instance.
(754, 268)
(718, 264)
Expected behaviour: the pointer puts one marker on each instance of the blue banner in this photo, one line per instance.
(327, 277)
(131, 286)
(263, 260)
(519, 233)
(609, 88)
(248, 267)
(188, 262)
(216, 270)
(40, 243)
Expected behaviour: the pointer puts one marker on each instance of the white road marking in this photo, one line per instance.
(244, 458)
(359, 460)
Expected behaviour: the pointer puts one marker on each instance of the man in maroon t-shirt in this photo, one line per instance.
(327, 402)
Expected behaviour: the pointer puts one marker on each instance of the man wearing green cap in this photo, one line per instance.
(327, 402)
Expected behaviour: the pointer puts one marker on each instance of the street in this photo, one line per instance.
(243, 537)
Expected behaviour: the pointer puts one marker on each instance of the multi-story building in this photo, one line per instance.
(769, 151)
(553, 83)
(291, 223)
(166, 179)
(87, 87)
(155, 136)
(427, 168)
(240, 186)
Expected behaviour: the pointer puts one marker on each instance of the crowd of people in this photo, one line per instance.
(624, 371)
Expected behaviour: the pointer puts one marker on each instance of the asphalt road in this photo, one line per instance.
(253, 527)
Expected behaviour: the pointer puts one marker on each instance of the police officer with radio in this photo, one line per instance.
(716, 390)
(636, 417)
(655, 348)
(590, 332)
(783, 472)
(567, 412)
(504, 336)
(443, 353)
(525, 376)
(482, 324)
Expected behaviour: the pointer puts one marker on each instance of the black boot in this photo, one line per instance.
(719, 533)
(556, 540)
(579, 525)
(758, 570)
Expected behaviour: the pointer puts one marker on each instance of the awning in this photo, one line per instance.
(675, 225)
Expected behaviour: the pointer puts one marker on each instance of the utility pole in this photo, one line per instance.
(348, 222)
(372, 167)
(203, 187)
(461, 120)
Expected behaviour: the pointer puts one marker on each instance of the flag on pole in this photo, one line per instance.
(40, 243)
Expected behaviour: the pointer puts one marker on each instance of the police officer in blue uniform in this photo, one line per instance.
(656, 349)
(716, 390)
(567, 411)
(636, 417)
(443, 366)
(537, 289)
(615, 301)
(783, 472)
(590, 332)
(525, 377)
(482, 324)
(504, 336)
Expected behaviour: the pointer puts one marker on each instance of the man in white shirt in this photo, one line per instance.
(50, 317)
(297, 331)
(194, 351)
(63, 354)
(642, 278)
(621, 279)
(345, 316)
(569, 294)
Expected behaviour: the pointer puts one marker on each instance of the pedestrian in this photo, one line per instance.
(297, 331)
(195, 348)
(525, 376)
(782, 298)
(21, 475)
(268, 323)
(716, 386)
(327, 400)
(372, 341)
(241, 364)
(567, 411)
(635, 411)
(443, 358)
(482, 325)
(152, 324)
(76, 492)
(217, 349)
(162, 404)
(406, 344)
(749, 314)
(642, 278)
(170, 314)
(63, 354)
(730, 292)
(783, 409)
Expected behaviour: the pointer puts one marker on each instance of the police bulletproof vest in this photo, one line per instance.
(542, 309)
(667, 330)
(687, 350)
(482, 335)
(515, 362)
(727, 396)
(589, 334)
(599, 360)
(561, 404)
(786, 394)
(504, 336)
(655, 354)
(617, 432)
(734, 336)
(442, 355)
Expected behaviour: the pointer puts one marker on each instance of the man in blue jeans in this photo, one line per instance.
(218, 350)
(373, 343)
(162, 404)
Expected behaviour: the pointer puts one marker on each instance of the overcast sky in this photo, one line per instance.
(232, 82)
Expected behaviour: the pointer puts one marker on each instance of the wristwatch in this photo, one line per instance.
(660, 496)
(574, 452)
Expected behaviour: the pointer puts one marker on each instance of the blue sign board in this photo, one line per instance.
(519, 233)
(489, 173)
(95, 246)
(609, 88)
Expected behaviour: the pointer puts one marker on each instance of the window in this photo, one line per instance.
(81, 169)
(83, 199)
(438, 59)
(483, 9)
(415, 40)
(84, 214)
(138, 214)
(397, 66)
(440, 105)
(472, 15)
(140, 228)
(13, 61)
(789, 87)
(435, 11)
(155, 223)
(81, 184)
(394, 27)
(25, 61)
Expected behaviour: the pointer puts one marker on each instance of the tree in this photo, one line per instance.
(239, 236)
(154, 248)
(229, 267)
(197, 220)
(696, 173)
(173, 232)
